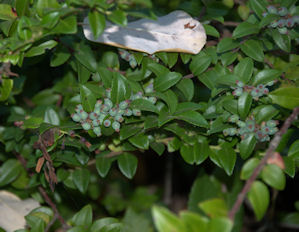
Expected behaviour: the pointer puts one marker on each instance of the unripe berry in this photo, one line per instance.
(83, 115)
(274, 24)
(265, 14)
(271, 123)
(105, 108)
(124, 104)
(290, 22)
(281, 22)
(283, 30)
(133, 63)
(120, 112)
(239, 83)
(93, 115)
(241, 123)
(113, 112)
(116, 126)
(136, 96)
(108, 102)
(119, 118)
(95, 122)
(250, 125)
(270, 83)
(108, 93)
(273, 131)
(282, 11)
(255, 93)
(86, 126)
(97, 131)
(238, 92)
(272, 9)
(76, 117)
(98, 104)
(97, 110)
(136, 112)
(152, 100)
(107, 123)
(102, 117)
(128, 112)
(78, 108)
(234, 118)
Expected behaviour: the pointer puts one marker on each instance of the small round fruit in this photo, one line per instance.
(152, 100)
(108, 102)
(282, 23)
(282, 11)
(105, 108)
(119, 118)
(108, 93)
(76, 117)
(124, 104)
(128, 112)
(283, 30)
(241, 123)
(233, 118)
(86, 126)
(238, 92)
(272, 9)
(78, 108)
(271, 123)
(98, 104)
(97, 131)
(107, 123)
(96, 122)
(116, 126)
(239, 83)
(290, 22)
(83, 115)
(136, 112)
(113, 112)
(93, 115)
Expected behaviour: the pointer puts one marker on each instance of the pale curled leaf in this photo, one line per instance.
(175, 32)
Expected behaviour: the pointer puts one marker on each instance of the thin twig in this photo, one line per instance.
(271, 149)
(230, 24)
(53, 220)
(167, 199)
(109, 155)
(189, 76)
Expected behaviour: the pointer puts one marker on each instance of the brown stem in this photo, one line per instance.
(109, 155)
(230, 24)
(189, 76)
(271, 149)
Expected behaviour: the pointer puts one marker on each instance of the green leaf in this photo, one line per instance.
(85, 56)
(36, 223)
(273, 176)
(291, 219)
(59, 57)
(227, 157)
(88, 98)
(103, 164)
(264, 113)
(83, 217)
(290, 168)
(127, 163)
(66, 26)
(120, 88)
(186, 87)
(22, 7)
(282, 41)
(258, 6)
(110, 59)
(99, 224)
(159, 148)
(158, 69)
(188, 106)
(97, 23)
(45, 5)
(9, 171)
(140, 141)
(200, 63)
(265, 76)
(247, 146)
(135, 222)
(164, 82)
(50, 20)
(259, 198)
(222, 224)
(196, 153)
(268, 19)
(294, 149)
(81, 178)
(194, 222)
(5, 88)
(244, 29)
(118, 17)
(244, 70)
(215, 207)
(51, 117)
(244, 104)
(228, 58)
(248, 168)
(253, 49)
(193, 117)
(6, 12)
(144, 105)
(166, 221)
(83, 73)
(210, 30)
(287, 97)
(129, 130)
(41, 49)
(227, 44)
(169, 98)
(185, 57)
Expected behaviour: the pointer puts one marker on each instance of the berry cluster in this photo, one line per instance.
(261, 132)
(107, 114)
(256, 92)
(124, 54)
(286, 19)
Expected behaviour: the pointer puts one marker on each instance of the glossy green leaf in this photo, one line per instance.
(51, 117)
(35, 223)
(244, 69)
(193, 117)
(244, 104)
(244, 29)
(210, 30)
(248, 168)
(9, 171)
(5, 88)
(194, 222)
(22, 7)
(228, 58)
(215, 207)
(227, 44)
(159, 148)
(287, 97)
(258, 6)
(88, 98)
(127, 164)
(227, 157)
(85, 56)
(164, 82)
(264, 113)
(166, 221)
(265, 76)
(81, 178)
(259, 199)
(273, 176)
(118, 17)
(290, 168)
(43, 5)
(120, 88)
(268, 19)
(222, 224)
(200, 63)
(143, 105)
(294, 149)
(247, 146)
(99, 224)
(186, 87)
(97, 23)
(185, 57)
(83, 73)
(40, 49)
(103, 164)
(59, 57)
(253, 49)
(140, 141)
(129, 130)
(282, 41)
(169, 98)
(50, 20)
(158, 69)
(188, 106)
(291, 219)
(66, 26)
(196, 153)
(110, 59)
(83, 217)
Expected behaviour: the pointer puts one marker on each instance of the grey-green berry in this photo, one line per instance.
(76, 117)
(119, 118)
(238, 92)
(108, 102)
(272, 9)
(107, 123)
(79, 108)
(128, 112)
(271, 123)
(152, 100)
(290, 22)
(96, 122)
(116, 126)
(234, 118)
(86, 126)
(241, 123)
(83, 115)
(105, 108)
(108, 93)
(113, 112)
(98, 104)
(97, 131)
(283, 30)
(93, 115)
(136, 112)
(124, 104)
(239, 83)
(283, 11)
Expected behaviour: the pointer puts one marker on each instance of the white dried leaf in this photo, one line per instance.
(175, 32)
(13, 210)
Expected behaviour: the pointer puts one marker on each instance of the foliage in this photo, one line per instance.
(71, 110)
